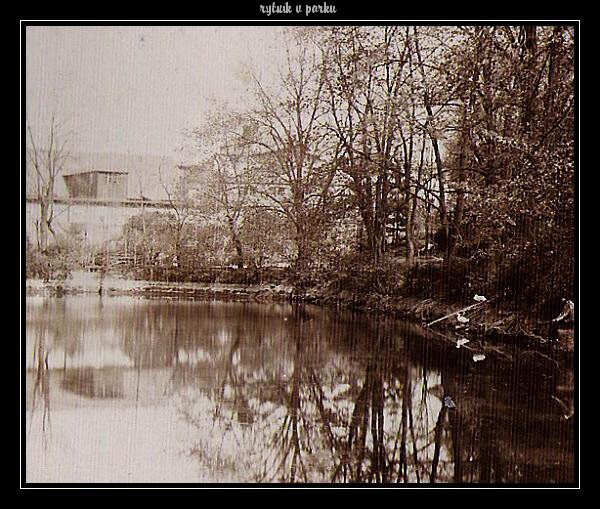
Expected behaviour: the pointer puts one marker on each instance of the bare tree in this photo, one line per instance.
(367, 70)
(182, 210)
(47, 159)
(226, 171)
(294, 169)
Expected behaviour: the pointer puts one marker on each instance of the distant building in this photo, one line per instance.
(95, 201)
(97, 184)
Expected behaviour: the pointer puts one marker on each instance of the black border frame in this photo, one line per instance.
(173, 489)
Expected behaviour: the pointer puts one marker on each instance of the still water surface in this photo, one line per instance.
(130, 390)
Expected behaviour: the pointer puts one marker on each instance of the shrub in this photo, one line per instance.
(356, 275)
(454, 281)
(54, 263)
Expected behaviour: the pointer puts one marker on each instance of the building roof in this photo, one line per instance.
(85, 172)
(146, 175)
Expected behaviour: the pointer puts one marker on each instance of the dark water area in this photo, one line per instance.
(284, 393)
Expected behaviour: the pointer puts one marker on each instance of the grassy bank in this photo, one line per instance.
(489, 323)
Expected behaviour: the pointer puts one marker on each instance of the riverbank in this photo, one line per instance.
(82, 283)
(484, 323)
(488, 326)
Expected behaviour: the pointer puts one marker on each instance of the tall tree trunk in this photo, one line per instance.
(239, 250)
(43, 226)
(302, 254)
(528, 88)
(460, 192)
(443, 209)
(440, 175)
(408, 229)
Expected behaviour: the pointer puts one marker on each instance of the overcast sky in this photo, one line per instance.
(133, 89)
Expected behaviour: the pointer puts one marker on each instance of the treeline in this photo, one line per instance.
(377, 150)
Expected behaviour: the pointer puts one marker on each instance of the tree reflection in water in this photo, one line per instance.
(41, 384)
(366, 414)
(280, 393)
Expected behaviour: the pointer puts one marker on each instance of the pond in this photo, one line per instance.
(122, 390)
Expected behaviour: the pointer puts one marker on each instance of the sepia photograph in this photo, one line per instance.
(296, 253)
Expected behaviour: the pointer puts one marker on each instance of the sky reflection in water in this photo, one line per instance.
(277, 393)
